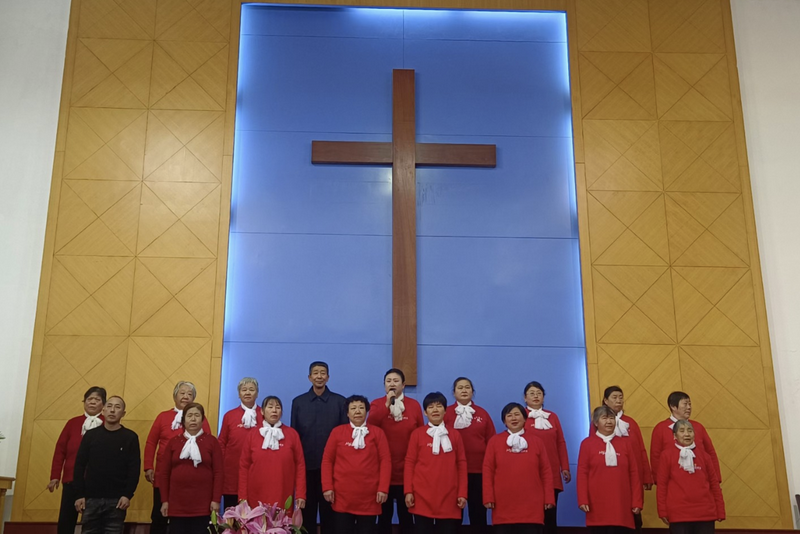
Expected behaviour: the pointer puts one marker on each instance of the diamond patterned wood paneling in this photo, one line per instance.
(133, 276)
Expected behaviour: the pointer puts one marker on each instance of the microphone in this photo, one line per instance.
(391, 402)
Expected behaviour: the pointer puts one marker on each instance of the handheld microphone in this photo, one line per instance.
(391, 402)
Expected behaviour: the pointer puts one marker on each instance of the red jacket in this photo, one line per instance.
(232, 436)
(356, 475)
(519, 484)
(160, 434)
(554, 444)
(67, 449)
(436, 480)
(397, 432)
(189, 490)
(475, 437)
(270, 476)
(638, 450)
(663, 439)
(684, 496)
(610, 492)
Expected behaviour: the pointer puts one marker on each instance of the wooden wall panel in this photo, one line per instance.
(133, 277)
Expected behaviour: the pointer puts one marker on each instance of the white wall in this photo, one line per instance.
(767, 34)
(33, 36)
(32, 41)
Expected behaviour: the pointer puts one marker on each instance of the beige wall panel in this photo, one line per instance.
(132, 294)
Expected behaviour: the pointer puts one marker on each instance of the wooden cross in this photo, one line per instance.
(404, 154)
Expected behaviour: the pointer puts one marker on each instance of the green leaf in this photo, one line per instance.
(288, 504)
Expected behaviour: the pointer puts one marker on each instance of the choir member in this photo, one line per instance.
(546, 426)
(680, 406)
(272, 467)
(517, 479)
(688, 493)
(435, 478)
(609, 488)
(64, 456)
(476, 429)
(191, 475)
(356, 471)
(315, 414)
(398, 416)
(237, 425)
(628, 428)
(166, 426)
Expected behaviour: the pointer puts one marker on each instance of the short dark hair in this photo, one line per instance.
(116, 397)
(190, 406)
(611, 389)
(434, 397)
(101, 392)
(356, 398)
(675, 398)
(269, 398)
(459, 379)
(318, 364)
(510, 406)
(600, 411)
(396, 371)
(533, 384)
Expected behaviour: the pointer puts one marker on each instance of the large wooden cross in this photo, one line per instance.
(404, 154)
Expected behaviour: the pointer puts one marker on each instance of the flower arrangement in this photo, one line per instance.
(263, 519)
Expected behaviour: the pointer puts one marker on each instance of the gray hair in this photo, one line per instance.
(184, 383)
(247, 380)
(601, 411)
(680, 423)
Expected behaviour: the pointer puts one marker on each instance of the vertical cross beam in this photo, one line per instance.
(404, 226)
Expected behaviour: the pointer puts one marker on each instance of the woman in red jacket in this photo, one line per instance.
(609, 489)
(688, 492)
(190, 475)
(517, 481)
(476, 429)
(546, 426)
(628, 428)
(356, 471)
(272, 467)
(237, 425)
(166, 426)
(435, 478)
(63, 466)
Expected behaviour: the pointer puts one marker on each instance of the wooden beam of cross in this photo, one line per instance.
(404, 154)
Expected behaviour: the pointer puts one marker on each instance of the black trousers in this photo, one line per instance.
(519, 528)
(387, 512)
(610, 530)
(551, 516)
(692, 527)
(189, 525)
(67, 514)
(428, 525)
(475, 508)
(159, 524)
(101, 516)
(344, 523)
(637, 522)
(314, 501)
(228, 500)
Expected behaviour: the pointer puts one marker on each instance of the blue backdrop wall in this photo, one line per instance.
(309, 274)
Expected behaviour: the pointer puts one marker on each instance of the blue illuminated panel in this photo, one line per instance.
(309, 273)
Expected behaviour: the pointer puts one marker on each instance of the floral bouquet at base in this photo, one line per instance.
(263, 519)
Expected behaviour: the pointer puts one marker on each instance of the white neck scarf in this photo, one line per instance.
(272, 435)
(611, 452)
(397, 408)
(464, 414)
(686, 459)
(190, 449)
(176, 423)
(440, 439)
(674, 420)
(541, 419)
(622, 427)
(359, 432)
(91, 421)
(249, 418)
(516, 441)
